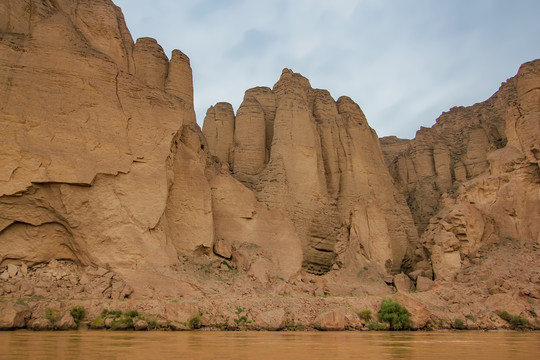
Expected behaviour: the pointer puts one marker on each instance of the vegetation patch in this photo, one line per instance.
(78, 313)
(514, 320)
(459, 324)
(365, 315)
(241, 320)
(53, 316)
(395, 315)
(194, 322)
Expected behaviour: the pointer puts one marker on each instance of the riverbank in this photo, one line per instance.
(252, 313)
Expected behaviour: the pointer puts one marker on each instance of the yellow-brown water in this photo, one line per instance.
(269, 345)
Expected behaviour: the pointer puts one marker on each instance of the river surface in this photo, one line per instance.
(269, 345)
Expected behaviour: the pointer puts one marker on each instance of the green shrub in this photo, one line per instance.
(194, 322)
(132, 313)
(514, 320)
(115, 313)
(52, 315)
(505, 315)
(121, 323)
(394, 314)
(365, 315)
(78, 313)
(459, 324)
(518, 321)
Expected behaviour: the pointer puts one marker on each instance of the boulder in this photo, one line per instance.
(140, 325)
(12, 270)
(331, 320)
(271, 320)
(223, 248)
(403, 283)
(66, 322)
(13, 316)
(423, 284)
(419, 313)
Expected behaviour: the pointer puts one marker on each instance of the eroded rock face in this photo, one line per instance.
(319, 162)
(86, 136)
(103, 163)
(472, 179)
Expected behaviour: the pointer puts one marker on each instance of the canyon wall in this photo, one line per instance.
(473, 179)
(107, 181)
(318, 161)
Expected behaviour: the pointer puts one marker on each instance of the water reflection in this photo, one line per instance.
(105, 345)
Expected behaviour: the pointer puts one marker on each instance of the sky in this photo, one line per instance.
(403, 61)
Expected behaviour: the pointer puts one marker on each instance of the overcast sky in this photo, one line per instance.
(403, 61)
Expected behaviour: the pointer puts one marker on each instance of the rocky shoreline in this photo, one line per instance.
(93, 298)
(255, 314)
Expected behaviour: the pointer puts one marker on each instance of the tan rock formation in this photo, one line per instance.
(13, 316)
(108, 190)
(151, 62)
(102, 161)
(87, 177)
(218, 130)
(318, 161)
(472, 179)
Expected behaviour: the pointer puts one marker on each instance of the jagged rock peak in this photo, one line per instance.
(318, 161)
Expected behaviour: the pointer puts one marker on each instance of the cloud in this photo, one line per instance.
(403, 62)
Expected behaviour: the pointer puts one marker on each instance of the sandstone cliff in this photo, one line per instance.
(93, 126)
(318, 161)
(289, 208)
(473, 179)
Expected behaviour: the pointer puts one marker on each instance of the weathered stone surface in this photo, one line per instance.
(324, 170)
(223, 248)
(249, 138)
(82, 159)
(39, 324)
(240, 218)
(151, 62)
(12, 270)
(109, 189)
(181, 311)
(66, 322)
(13, 316)
(423, 284)
(272, 319)
(140, 325)
(471, 179)
(218, 129)
(333, 320)
(403, 283)
(179, 80)
(419, 313)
